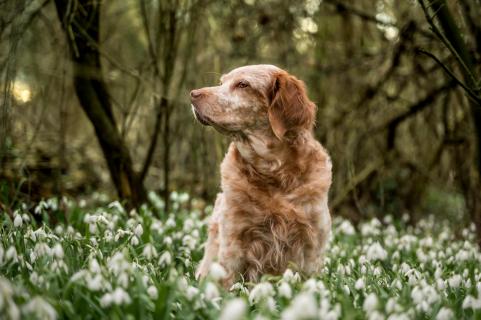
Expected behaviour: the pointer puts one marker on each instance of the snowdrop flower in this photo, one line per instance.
(290, 276)
(211, 292)
(94, 283)
(376, 252)
(270, 304)
(41, 308)
(346, 290)
(17, 222)
(302, 307)
(25, 218)
(217, 271)
(240, 288)
(138, 231)
(462, 255)
(168, 241)
(455, 281)
(123, 279)
(57, 251)
(149, 251)
(165, 259)
(346, 228)
(234, 310)
(359, 285)
(363, 269)
(94, 266)
(116, 205)
(191, 292)
(445, 314)
(189, 241)
(93, 228)
(134, 241)
(440, 284)
(170, 223)
(11, 254)
(285, 290)
(153, 292)
(370, 303)
(120, 297)
(261, 291)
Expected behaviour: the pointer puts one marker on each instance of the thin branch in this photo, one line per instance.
(392, 124)
(471, 93)
(443, 37)
(356, 180)
(341, 6)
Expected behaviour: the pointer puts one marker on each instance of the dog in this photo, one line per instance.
(272, 212)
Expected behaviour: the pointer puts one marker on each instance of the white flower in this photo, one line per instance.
(139, 230)
(41, 308)
(11, 254)
(455, 281)
(211, 291)
(359, 285)
(370, 303)
(347, 228)
(153, 292)
(440, 284)
(445, 314)
(217, 271)
(58, 251)
(120, 296)
(149, 251)
(234, 310)
(165, 259)
(17, 222)
(25, 218)
(94, 266)
(94, 283)
(167, 241)
(261, 291)
(462, 255)
(116, 205)
(376, 252)
(93, 228)
(134, 241)
(191, 292)
(270, 304)
(189, 241)
(106, 300)
(302, 307)
(285, 290)
(123, 279)
(42, 249)
(290, 276)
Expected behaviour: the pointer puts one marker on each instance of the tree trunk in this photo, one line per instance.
(80, 21)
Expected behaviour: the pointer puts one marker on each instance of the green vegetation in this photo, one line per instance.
(107, 262)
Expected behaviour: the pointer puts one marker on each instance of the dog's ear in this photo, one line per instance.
(290, 109)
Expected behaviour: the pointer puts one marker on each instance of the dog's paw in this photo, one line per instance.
(202, 271)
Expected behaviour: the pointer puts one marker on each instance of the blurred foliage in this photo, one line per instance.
(398, 129)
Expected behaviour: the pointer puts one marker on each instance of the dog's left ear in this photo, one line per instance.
(290, 109)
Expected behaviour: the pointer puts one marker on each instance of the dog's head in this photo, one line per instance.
(255, 97)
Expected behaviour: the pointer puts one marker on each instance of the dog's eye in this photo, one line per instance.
(242, 84)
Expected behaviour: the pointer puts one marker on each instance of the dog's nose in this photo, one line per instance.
(195, 94)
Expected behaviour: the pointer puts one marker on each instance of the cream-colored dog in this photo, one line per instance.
(272, 211)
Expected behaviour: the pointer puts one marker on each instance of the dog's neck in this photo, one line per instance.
(265, 153)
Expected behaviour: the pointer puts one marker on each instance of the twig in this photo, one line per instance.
(471, 93)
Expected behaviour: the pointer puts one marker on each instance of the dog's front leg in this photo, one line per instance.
(211, 250)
